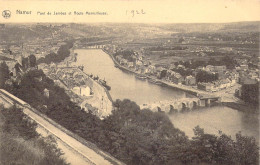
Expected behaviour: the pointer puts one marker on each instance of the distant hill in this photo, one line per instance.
(21, 32)
(214, 27)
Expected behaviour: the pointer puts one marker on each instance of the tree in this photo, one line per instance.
(229, 62)
(133, 135)
(19, 141)
(62, 53)
(163, 74)
(32, 60)
(25, 63)
(4, 74)
(204, 76)
(250, 93)
(18, 68)
(17, 123)
(223, 149)
(247, 151)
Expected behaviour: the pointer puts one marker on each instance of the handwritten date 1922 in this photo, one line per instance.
(135, 12)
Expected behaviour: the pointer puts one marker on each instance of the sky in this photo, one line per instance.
(156, 11)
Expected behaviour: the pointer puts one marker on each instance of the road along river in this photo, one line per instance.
(127, 86)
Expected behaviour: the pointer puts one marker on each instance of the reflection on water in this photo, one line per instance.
(125, 85)
(217, 118)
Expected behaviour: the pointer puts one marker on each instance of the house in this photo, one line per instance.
(79, 76)
(130, 64)
(224, 83)
(244, 67)
(119, 57)
(220, 69)
(169, 74)
(159, 71)
(123, 61)
(178, 79)
(82, 91)
(237, 68)
(210, 68)
(76, 90)
(46, 93)
(201, 68)
(146, 63)
(205, 86)
(190, 80)
(151, 69)
(139, 63)
(181, 66)
(144, 70)
(134, 57)
(85, 91)
(253, 75)
(172, 67)
(53, 66)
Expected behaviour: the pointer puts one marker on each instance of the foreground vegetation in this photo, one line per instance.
(21, 144)
(62, 53)
(132, 135)
(250, 94)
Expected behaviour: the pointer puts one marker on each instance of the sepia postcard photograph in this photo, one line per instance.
(129, 82)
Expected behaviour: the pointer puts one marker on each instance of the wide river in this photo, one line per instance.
(126, 86)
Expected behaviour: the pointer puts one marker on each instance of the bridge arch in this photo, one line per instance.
(195, 105)
(190, 104)
(159, 109)
(177, 106)
(172, 110)
(184, 106)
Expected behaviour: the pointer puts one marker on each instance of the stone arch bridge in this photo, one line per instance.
(178, 105)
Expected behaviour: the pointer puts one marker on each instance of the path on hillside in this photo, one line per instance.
(74, 151)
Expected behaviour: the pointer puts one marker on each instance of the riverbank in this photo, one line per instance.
(126, 85)
(99, 102)
(187, 89)
(242, 107)
(227, 96)
(105, 89)
(74, 59)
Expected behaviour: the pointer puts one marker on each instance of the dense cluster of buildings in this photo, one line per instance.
(47, 40)
(226, 77)
(40, 47)
(70, 78)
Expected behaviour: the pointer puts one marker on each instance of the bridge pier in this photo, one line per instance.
(179, 107)
(204, 103)
(195, 104)
(190, 105)
(209, 100)
(199, 103)
(172, 110)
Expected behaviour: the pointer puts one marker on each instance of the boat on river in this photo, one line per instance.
(141, 77)
(154, 81)
(104, 83)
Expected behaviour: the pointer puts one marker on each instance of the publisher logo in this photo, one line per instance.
(6, 14)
